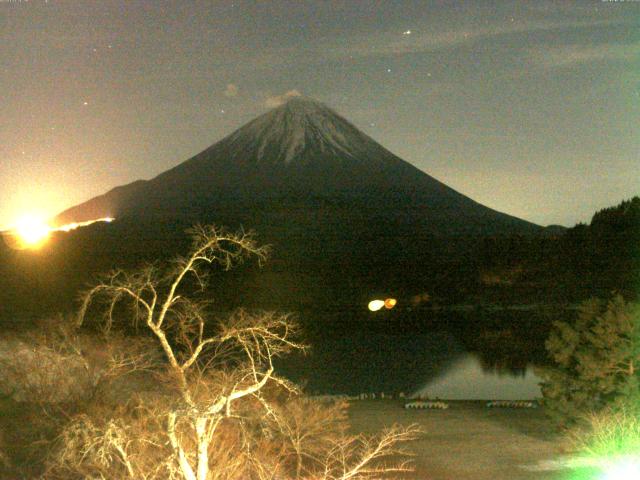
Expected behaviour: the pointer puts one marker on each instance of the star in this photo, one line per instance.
(85, 103)
(388, 70)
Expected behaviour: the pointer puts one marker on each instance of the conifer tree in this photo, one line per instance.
(596, 360)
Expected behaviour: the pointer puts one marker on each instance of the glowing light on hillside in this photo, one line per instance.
(375, 305)
(389, 303)
(72, 226)
(32, 230)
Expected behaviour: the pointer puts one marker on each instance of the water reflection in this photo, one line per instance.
(365, 361)
(507, 345)
(467, 379)
(489, 355)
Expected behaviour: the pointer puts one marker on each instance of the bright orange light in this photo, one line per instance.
(375, 305)
(32, 231)
(389, 303)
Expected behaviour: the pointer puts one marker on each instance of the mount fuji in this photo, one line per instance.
(298, 161)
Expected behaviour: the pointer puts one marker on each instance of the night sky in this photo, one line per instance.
(529, 107)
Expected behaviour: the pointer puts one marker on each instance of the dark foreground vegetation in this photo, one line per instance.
(182, 396)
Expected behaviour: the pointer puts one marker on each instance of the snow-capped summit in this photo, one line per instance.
(300, 125)
(298, 131)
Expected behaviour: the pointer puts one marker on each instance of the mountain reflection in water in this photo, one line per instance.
(491, 356)
(466, 379)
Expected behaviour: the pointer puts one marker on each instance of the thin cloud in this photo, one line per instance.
(231, 91)
(422, 41)
(568, 55)
(277, 100)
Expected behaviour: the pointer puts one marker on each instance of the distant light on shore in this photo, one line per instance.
(375, 305)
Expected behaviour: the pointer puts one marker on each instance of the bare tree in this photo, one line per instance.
(225, 417)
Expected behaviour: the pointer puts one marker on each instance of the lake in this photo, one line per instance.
(449, 355)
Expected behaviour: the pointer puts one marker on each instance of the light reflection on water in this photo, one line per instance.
(466, 379)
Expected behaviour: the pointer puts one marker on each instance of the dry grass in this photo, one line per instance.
(468, 441)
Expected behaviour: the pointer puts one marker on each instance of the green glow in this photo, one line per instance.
(621, 467)
(625, 469)
(610, 445)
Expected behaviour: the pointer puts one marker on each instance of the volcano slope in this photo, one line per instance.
(301, 153)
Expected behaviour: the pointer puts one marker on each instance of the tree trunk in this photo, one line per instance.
(186, 469)
(203, 448)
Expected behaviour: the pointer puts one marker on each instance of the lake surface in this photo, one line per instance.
(466, 379)
(451, 356)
